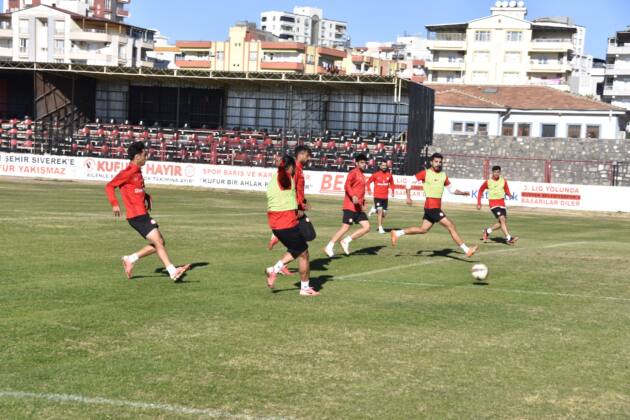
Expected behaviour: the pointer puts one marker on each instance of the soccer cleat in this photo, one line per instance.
(393, 237)
(179, 272)
(328, 250)
(471, 251)
(381, 230)
(271, 277)
(371, 212)
(345, 245)
(127, 266)
(485, 234)
(285, 271)
(513, 240)
(309, 292)
(272, 242)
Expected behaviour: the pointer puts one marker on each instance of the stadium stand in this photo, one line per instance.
(243, 147)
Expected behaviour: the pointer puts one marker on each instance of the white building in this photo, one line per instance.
(104, 9)
(617, 82)
(522, 111)
(306, 25)
(54, 35)
(504, 48)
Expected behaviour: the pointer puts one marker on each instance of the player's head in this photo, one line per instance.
(361, 161)
(137, 153)
(383, 166)
(302, 153)
(496, 171)
(436, 161)
(286, 168)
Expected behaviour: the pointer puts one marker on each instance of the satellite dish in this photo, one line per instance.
(505, 3)
(521, 3)
(498, 3)
(513, 3)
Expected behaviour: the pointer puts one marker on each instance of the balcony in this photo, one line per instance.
(548, 67)
(618, 69)
(124, 1)
(282, 65)
(6, 33)
(619, 49)
(93, 57)
(550, 45)
(283, 46)
(193, 64)
(6, 52)
(331, 52)
(90, 36)
(448, 45)
(446, 65)
(616, 90)
(120, 12)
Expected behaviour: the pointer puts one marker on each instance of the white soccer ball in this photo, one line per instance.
(479, 271)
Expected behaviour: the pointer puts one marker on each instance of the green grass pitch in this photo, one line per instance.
(397, 332)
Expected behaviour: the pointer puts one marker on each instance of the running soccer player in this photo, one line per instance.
(353, 204)
(497, 187)
(302, 156)
(282, 209)
(383, 181)
(434, 181)
(137, 205)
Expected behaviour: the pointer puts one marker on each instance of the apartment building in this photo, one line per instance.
(306, 25)
(54, 35)
(503, 48)
(113, 10)
(617, 73)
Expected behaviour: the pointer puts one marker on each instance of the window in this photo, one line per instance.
(23, 26)
(592, 131)
(457, 127)
(548, 130)
(482, 56)
(511, 77)
(574, 131)
(514, 36)
(310, 59)
(480, 76)
(60, 27)
(524, 129)
(470, 127)
(253, 55)
(59, 46)
(513, 57)
(220, 55)
(6, 43)
(507, 129)
(23, 45)
(482, 36)
(482, 129)
(264, 19)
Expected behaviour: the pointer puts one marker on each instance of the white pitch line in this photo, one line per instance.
(129, 404)
(435, 261)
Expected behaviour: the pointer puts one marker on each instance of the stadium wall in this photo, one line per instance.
(569, 161)
(527, 194)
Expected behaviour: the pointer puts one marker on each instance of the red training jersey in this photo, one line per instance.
(431, 203)
(131, 184)
(383, 182)
(298, 178)
(355, 185)
(493, 203)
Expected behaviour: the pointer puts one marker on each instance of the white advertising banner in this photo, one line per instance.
(528, 194)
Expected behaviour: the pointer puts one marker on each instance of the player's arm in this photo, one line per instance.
(369, 182)
(392, 185)
(110, 190)
(483, 187)
(420, 176)
(506, 189)
(349, 190)
(455, 191)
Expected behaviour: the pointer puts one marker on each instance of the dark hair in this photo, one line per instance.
(496, 168)
(360, 157)
(135, 149)
(302, 148)
(436, 156)
(283, 176)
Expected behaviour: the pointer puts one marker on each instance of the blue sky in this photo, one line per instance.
(372, 20)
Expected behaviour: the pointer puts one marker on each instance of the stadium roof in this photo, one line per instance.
(514, 97)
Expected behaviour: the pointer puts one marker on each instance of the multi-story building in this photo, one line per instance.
(105, 9)
(617, 76)
(306, 25)
(503, 48)
(249, 49)
(54, 35)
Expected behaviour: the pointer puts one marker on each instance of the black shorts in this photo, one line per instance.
(433, 215)
(499, 211)
(380, 203)
(350, 217)
(143, 224)
(292, 239)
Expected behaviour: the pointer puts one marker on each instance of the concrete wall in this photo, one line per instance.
(559, 160)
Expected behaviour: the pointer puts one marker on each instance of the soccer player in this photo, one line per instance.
(383, 181)
(137, 205)
(434, 181)
(282, 209)
(497, 187)
(302, 156)
(353, 204)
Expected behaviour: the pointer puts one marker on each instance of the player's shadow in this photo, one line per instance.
(370, 250)
(321, 264)
(182, 279)
(316, 283)
(480, 283)
(499, 240)
(444, 253)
